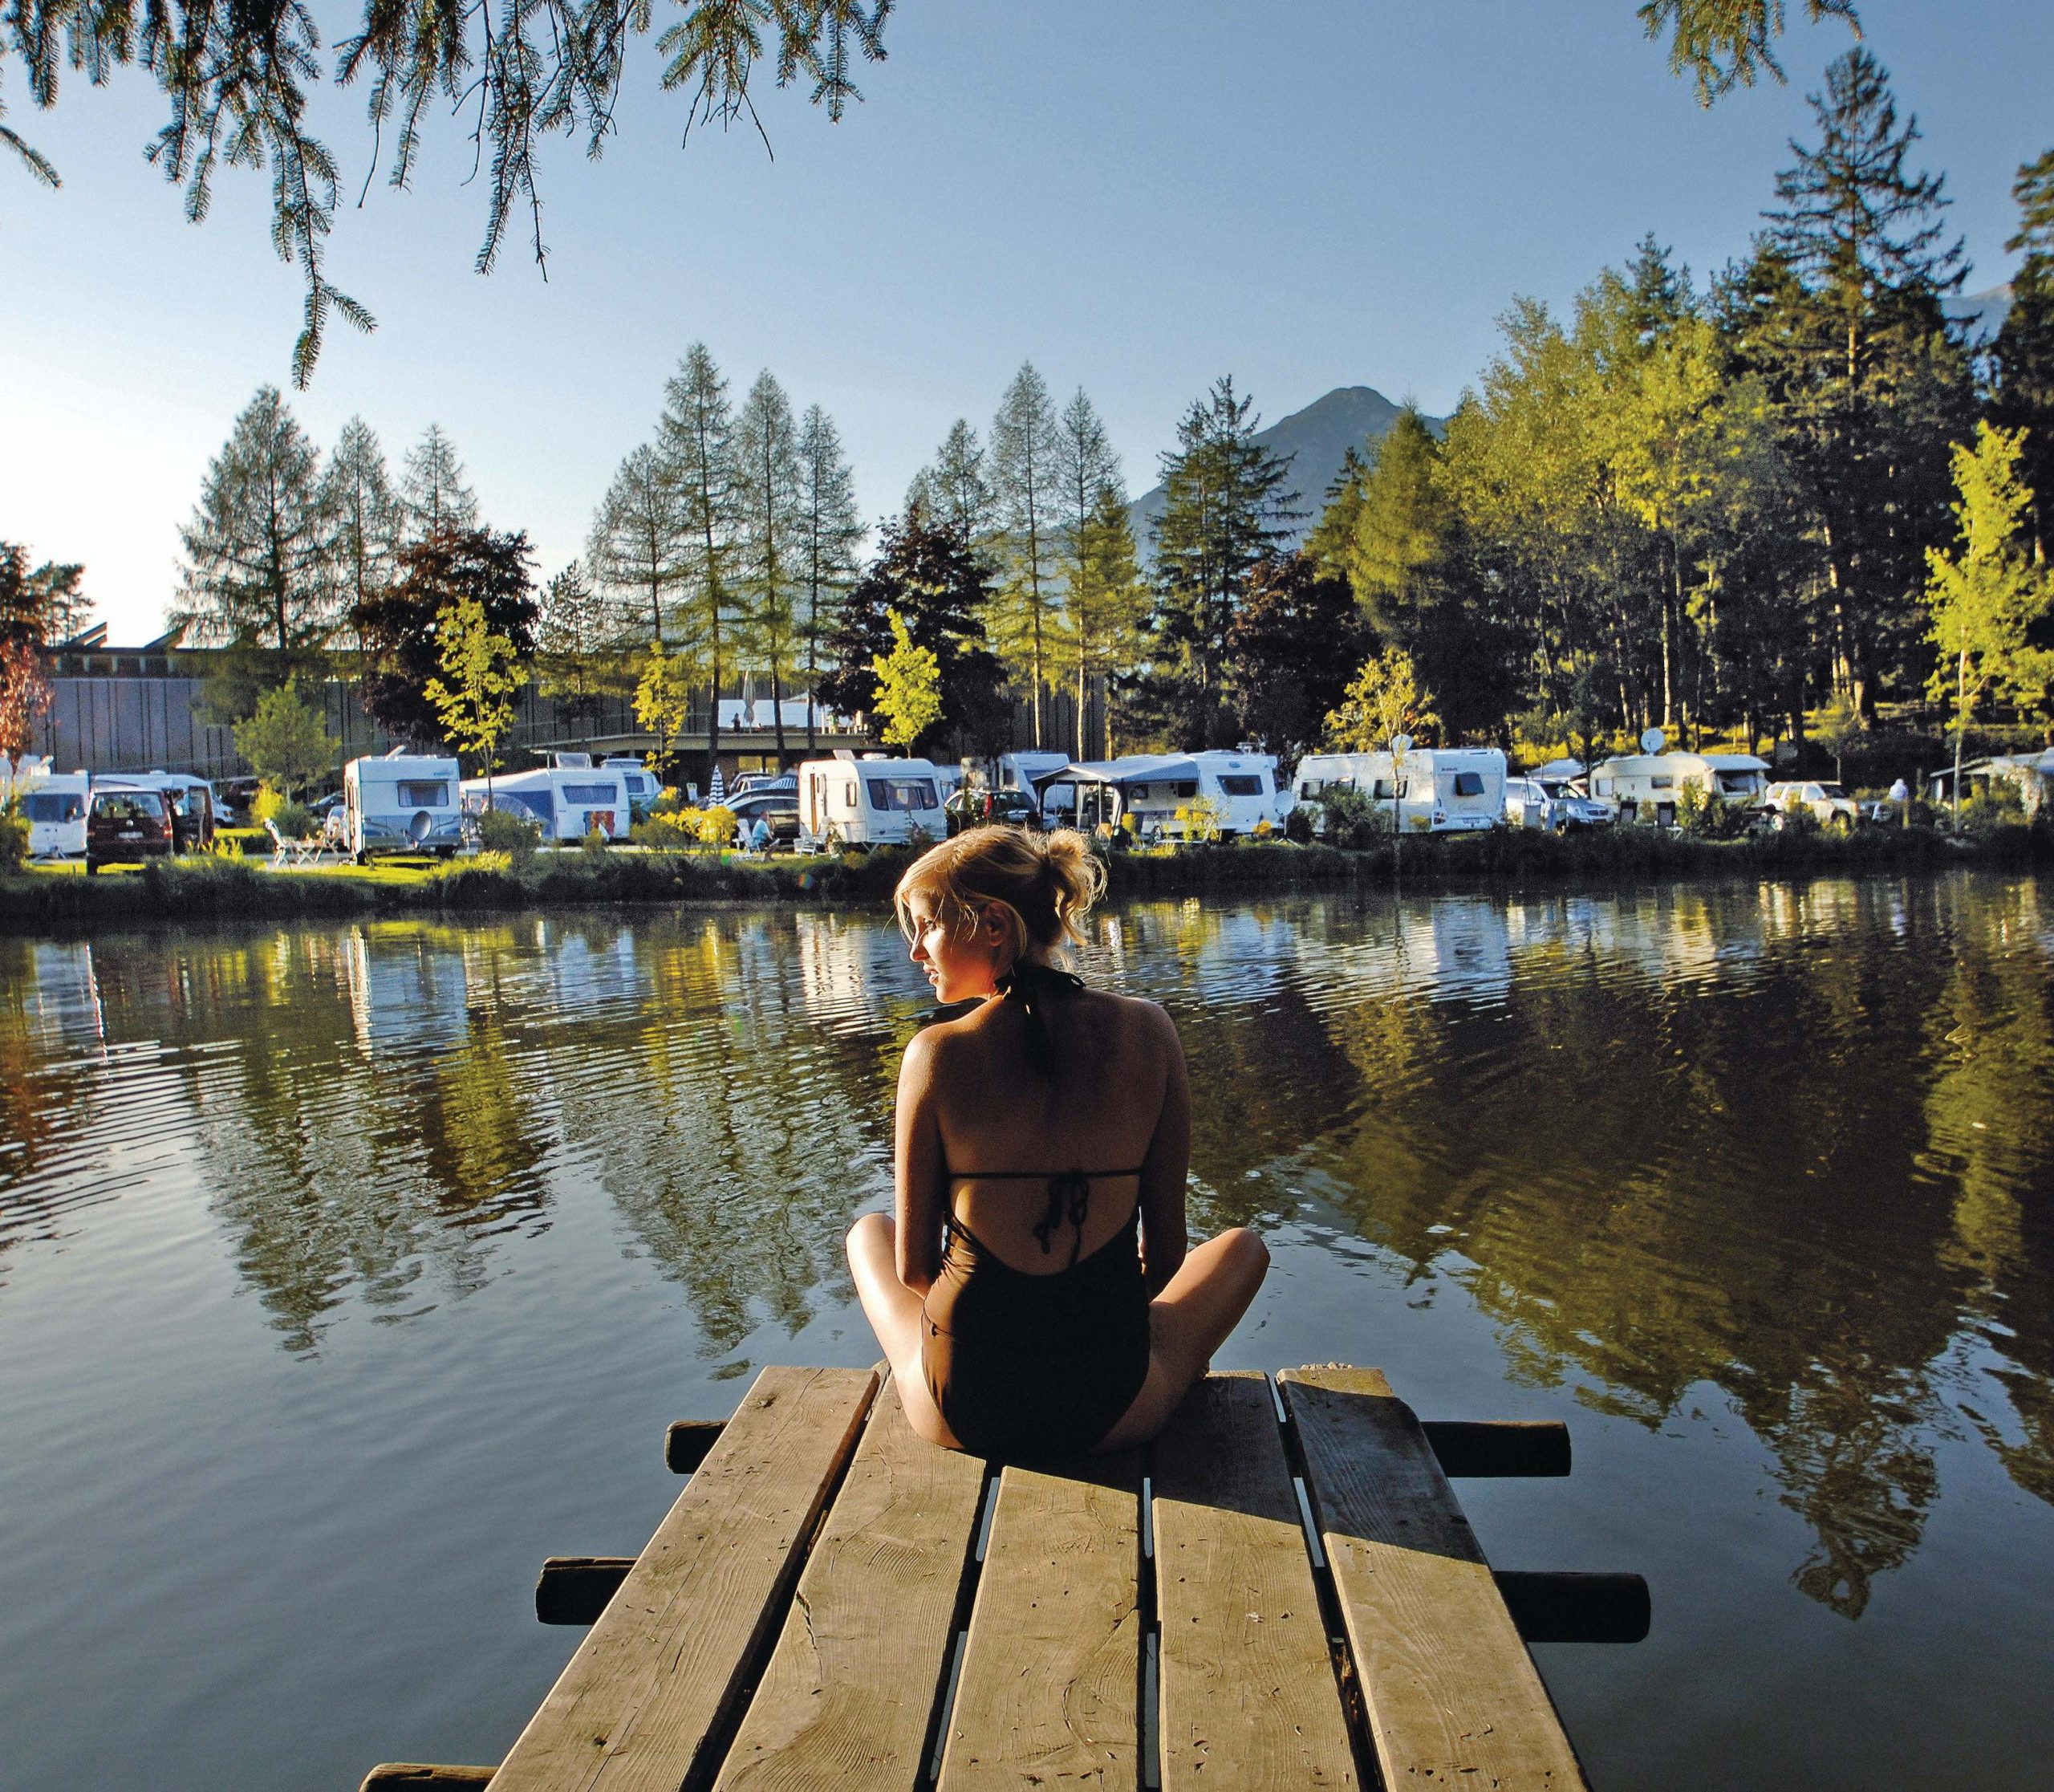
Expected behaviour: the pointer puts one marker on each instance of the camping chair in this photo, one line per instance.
(293, 852)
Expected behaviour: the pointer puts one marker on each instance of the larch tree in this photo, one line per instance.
(434, 493)
(1988, 596)
(830, 530)
(694, 438)
(1384, 699)
(578, 658)
(1104, 632)
(1025, 477)
(769, 536)
(44, 605)
(363, 517)
(955, 487)
(255, 553)
(1227, 506)
(2024, 398)
(639, 542)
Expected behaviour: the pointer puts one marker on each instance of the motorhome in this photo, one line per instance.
(872, 800)
(1437, 789)
(401, 803)
(571, 798)
(643, 785)
(1644, 786)
(1156, 791)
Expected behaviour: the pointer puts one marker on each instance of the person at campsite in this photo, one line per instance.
(759, 835)
(1032, 1287)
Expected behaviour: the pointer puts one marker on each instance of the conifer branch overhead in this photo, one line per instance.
(1723, 44)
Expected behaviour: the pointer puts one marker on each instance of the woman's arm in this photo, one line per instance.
(919, 1170)
(1164, 1236)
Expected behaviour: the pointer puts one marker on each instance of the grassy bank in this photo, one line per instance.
(218, 890)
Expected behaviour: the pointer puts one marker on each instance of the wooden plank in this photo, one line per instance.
(848, 1699)
(647, 1697)
(1449, 1691)
(395, 1776)
(1049, 1694)
(1248, 1696)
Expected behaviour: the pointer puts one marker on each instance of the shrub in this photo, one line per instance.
(1298, 826)
(13, 835)
(672, 830)
(1353, 820)
(508, 831)
(1706, 814)
(293, 820)
(1992, 802)
(595, 844)
(716, 825)
(1200, 818)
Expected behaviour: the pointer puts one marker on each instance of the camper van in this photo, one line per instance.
(571, 798)
(403, 802)
(643, 785)
(191, 804)
(1241, 787)
(53, 804)
(1438, 790)
(869, 802)
(1644, 786)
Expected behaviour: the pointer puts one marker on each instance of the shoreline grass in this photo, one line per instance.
(200, 891)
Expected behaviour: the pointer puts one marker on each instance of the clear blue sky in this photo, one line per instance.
(1139, 197)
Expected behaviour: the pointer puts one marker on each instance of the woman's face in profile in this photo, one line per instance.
(959, 968)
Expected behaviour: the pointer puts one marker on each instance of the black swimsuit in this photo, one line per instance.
(1027, 1367)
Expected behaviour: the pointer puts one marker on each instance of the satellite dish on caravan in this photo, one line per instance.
(1652, 740)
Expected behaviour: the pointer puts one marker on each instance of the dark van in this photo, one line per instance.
(125, 825)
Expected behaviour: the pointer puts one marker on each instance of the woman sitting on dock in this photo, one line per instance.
(1033, 1290)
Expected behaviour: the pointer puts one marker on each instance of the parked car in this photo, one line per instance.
(1830, 804)
(967, 808)
(1530, 802)
(126, 824)
(780, 808)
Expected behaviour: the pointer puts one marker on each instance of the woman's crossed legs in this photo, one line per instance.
(1188, 1322)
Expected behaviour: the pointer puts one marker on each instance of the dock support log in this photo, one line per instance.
(415, 1776)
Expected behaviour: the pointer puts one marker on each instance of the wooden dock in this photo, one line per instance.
(1281, 1591)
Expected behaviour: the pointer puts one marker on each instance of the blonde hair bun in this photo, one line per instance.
(1042, 884)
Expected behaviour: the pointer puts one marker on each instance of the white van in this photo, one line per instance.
(1644, 786)
(54, 803)
(403, 802)
(872, 800)
(570, 800)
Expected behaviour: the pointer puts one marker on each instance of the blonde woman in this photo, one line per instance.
(1033, 1287)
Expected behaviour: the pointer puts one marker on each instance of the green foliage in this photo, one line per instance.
(13, 834)
(1351, 819)
(1838, 728)
(716, 825)
(509, 831)
(908, 694)
(1722, 43)
(673, 830)
(286, 741)
(1026, 478)
(577, 661)
(292, 818)
(1290, 652)
(1706, 815)
(480, 673)
(400, 628)
(695, 441)
(1383, 699)
(43, 605)
(771, 524)
(662, 695)
(1200, 819)
(2023, 397)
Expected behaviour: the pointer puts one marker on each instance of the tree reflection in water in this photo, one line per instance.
(1790, 1141)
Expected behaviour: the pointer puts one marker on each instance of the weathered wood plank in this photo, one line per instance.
(1249, 1695)
(1049, 1693)
(1449, 1691)
(395, 1776)
(848, 1696)
(659, 1676)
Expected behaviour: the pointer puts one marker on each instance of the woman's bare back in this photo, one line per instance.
(1098, 1107)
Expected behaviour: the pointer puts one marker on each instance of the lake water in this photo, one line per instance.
(346, 1273)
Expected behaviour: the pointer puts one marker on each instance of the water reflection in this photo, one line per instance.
(1790, 1141)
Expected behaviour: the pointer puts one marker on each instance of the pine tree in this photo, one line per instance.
(579, 659)
(363, 517)
(432, 492)
(769, 558)
(694, 438)
(254, 572)
(1227, 508)
(954, 489)
(2024, 395)
(638, 543)
(1292, 651)
(1841, 314)
(42, 606)
(1026, 490)
(829, 530)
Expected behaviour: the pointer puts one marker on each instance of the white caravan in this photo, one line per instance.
(1644, 786)
(403, 802)
(1241, 788)
(643, 785)
(873, 801)
(570, 800)
(1437, 789)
